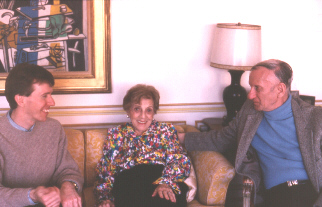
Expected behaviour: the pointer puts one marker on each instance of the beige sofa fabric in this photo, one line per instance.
(214, 174)
(212, 171)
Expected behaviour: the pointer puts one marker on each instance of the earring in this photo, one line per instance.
(127, 116)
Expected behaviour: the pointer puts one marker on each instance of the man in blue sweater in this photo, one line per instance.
(278, 139)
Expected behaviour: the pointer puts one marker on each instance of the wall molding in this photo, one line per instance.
(118, 109)
(100, 110)
(109, 125)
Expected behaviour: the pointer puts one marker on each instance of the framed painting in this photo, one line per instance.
(64, 36)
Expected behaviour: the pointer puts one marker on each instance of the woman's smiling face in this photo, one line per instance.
(141, 115)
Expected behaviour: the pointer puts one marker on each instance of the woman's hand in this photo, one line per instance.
(106, 203)
(165, 191)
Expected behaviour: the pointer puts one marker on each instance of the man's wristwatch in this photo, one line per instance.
(76, 186)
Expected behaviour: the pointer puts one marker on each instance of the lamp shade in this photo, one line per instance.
(236, 46)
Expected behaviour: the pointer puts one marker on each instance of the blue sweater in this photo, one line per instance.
(277, 147)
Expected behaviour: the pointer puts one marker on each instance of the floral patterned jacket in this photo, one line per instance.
(124, 150)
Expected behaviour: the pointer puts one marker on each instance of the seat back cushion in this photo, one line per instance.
(94, 140)
(213, 173)
(75, 146)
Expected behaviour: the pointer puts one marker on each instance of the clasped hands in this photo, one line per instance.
(53, 196)
(163, 190)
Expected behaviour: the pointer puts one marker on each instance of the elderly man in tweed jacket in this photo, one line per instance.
(278, 138)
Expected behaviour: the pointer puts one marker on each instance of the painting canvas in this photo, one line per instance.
(54, 34)
(43, 32)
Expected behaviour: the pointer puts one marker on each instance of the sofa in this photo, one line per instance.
(208, 184)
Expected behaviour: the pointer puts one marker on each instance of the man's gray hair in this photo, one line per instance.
(282, 70)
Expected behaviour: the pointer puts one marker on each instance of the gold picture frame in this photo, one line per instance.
(97, 78)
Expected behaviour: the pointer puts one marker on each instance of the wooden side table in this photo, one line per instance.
(213, 123)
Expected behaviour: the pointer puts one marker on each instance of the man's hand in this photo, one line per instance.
(69, 196)
(50, 197)
(181, 138)
(106, 203)
(165, 191)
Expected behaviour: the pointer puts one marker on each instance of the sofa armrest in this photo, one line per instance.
(214, 174)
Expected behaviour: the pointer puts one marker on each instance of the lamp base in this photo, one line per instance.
(234, 96)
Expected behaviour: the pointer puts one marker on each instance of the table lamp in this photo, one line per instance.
(236, 48)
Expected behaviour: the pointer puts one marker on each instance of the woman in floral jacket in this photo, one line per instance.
(143, 164)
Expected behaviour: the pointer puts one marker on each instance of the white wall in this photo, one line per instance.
(167, 43)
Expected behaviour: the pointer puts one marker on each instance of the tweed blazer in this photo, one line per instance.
(240, 133)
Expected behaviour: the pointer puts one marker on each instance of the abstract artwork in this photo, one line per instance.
(55, 34)
(43, 32)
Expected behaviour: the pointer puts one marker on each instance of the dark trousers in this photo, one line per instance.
(302, 195)
(134, 188)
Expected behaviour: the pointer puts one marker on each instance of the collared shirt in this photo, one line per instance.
(16, 125)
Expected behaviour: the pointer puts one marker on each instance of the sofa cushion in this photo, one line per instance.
(195, 203)
(213, 176)
(89, 199)
(179, 128)
(75, 146)
(94, 141)
(212, 170)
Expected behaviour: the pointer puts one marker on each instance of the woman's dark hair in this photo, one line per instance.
(21, 79)
(282, 70)
(139, 91)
